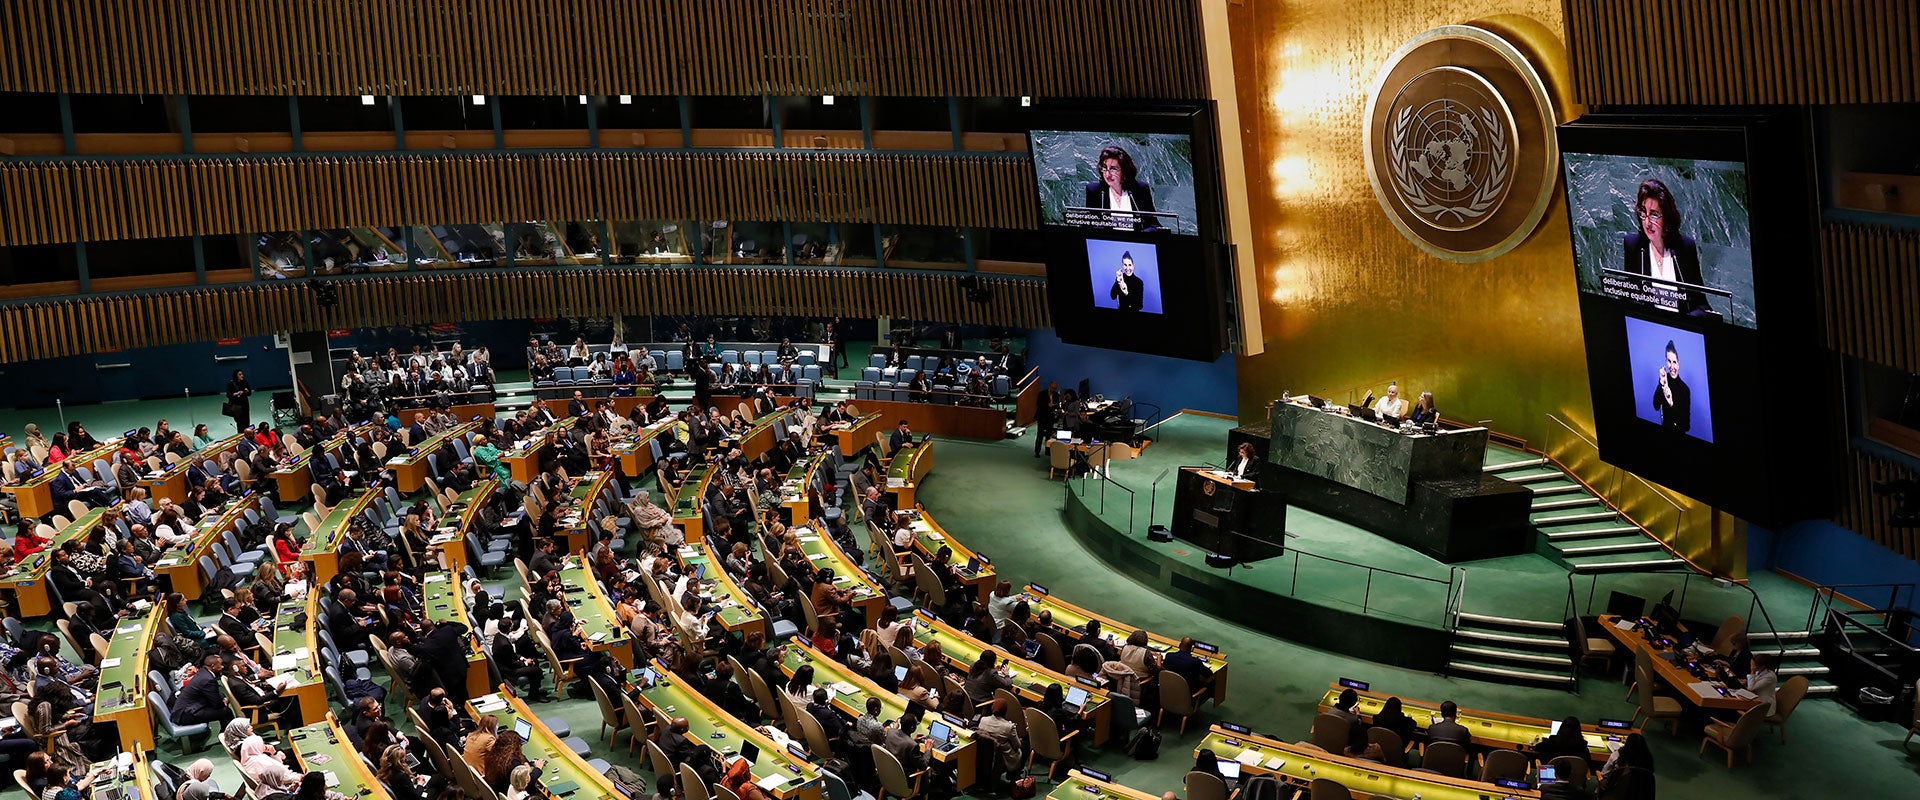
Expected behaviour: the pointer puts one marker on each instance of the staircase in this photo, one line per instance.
(1576, 527)
(1522, 651)
(1797, 657)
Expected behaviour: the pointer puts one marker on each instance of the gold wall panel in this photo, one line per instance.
(77, 326)
(1347, 303)
(66, 200)
(977, 48)
(1730, 52)
(1873, 292)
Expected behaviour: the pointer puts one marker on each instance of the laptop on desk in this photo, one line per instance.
(942, 735)
(1076, 699)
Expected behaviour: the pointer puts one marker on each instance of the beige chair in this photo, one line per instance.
(1044, 741)
(1205, 786)
(1653, 706)
(638, 721)
(1723, 636)
(20, 777)
(1737, 736)
(1176, 696)
(1445, 758)
(1393, 752)
(926, 583)
(725, 793)
(691, 786)
(1592, 648)
(1016, 710)
(1329, 732)
(657, 759)
(1785, 700)
(1052, 655)
(258, 715)
(763, 696)
(816, 736)
(1328, 789)
(611, 716)
(1059, 457)
(77, 508)
(894, 780)
(1507, 765)
(1571, 769)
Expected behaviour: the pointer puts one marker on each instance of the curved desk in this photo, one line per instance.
(28, 580)
(324, 746)
(450, 534)
(868, 596)
(442, 601)
(910, 466)
(635, 450)
(1073, 619)
(122, 695)
(573, 776)
(182, 570)
(849, 690)
(410, 468)
(171, 483)
(687, 510)
(1029, 679)
(1300, 764)
(929, 537)
(523, 461)
(854, 437)
(738, 614)
(295, 476)
(710, 726)
(322, 549)
(1490, 729)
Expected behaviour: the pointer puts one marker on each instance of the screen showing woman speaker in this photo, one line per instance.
(1125, 276)
(1671, 234)
(1133, 182)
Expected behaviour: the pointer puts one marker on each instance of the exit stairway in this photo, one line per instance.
(1576, 527)
(1510, 650)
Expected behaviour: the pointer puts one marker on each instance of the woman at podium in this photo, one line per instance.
(1245, 466)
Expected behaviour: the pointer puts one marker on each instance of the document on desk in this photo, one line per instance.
(771, 782)
(1624, 624)
(1703, 688)
(1248, 757)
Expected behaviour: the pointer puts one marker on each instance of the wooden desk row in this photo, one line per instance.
(797, 489)
(442, 601)
(688, 505)
(171, 483)
(1029, 679)
(123, 683)
(322, 548)
(853, 438)
(909, 467)
(456, 521)
(1074, 619)
(1300, 764)
(36, 496)
(324, 747)
(182, 568)
(295, 477)
(710, 726)
(1699, 692)
(523, 461)
(737, 612)
(410, 470)
(848, 691)
(28, 580)
(635, 450)
(929, 537)
(868, 597)
(1490, 729)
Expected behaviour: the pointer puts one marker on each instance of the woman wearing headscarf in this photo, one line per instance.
(263, 764)
(199, 784)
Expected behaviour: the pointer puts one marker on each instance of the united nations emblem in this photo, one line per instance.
(1459, 140)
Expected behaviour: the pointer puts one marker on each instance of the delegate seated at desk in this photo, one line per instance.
(1393, 405)
(1424, 411)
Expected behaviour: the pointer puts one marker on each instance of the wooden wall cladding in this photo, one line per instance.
(978, 48)
(90, 325)
(1716, 52)
(90, 200)
(1873, 291)
(1869, 514)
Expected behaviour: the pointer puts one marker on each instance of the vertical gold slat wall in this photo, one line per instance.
(1873, 293)
(1723, 52)
(977, 48)
(220, 195)
(85, 325)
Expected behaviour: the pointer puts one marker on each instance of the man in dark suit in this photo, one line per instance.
(1447, 730)
(518, 657)
(902, 436)
(1183, 663)
(417, 432)
(200, 700)
(1672, 397)
(1128, 290)
(232, 625)
(577, 407)
(788, 353)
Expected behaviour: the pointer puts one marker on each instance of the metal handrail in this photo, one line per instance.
(1828, 591)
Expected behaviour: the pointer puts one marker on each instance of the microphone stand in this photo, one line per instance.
(1153, 496)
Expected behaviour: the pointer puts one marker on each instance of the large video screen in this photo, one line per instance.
(1134, 182)
(1684, 229)
(1668, 234)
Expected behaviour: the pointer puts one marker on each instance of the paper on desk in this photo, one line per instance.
(895, 483)
(1276, 762)
(1702, 688)
(844, 688)
(1624, 624)
(126, 629)
(816, 556)
(110, 663)
(771, 782)
(434, 578)
(1740, 693)
(1248, 757)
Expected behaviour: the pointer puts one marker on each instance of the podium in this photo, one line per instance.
(1226, 516)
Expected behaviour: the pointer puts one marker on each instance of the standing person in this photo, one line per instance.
(1672, 398)
(1044, 415)
(236, 407)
